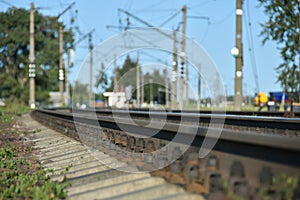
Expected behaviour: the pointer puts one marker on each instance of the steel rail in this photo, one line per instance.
(269, 147)
(279, 123)
(247, 113)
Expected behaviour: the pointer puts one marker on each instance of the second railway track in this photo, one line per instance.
(242, 158)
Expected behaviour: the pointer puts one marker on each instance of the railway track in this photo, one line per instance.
(250, 152)
(91, 179)
(286, 114)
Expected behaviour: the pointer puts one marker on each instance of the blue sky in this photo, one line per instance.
(216, 37)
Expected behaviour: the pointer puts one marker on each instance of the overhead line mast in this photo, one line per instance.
(31, 60)
(238, 95)
(61, 65)
(182, 58)
(182, 55)
(91, 70)
(174, 75)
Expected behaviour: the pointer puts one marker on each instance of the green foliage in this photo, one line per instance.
(14, 52)
(228, 191)
(101, 81)
(21, 177)
(283, 27)
(17, 183)
(80, 93)
(14, 108)
(158, 82)
(126, 75)
(283, 185)
(6, 118)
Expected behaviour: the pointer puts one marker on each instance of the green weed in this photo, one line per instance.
(18, 180)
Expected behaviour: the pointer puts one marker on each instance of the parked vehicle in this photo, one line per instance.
(274, 100)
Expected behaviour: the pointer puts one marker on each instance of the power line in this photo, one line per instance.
(251, 47)
(170, 18)
(205, 33)
(6, 2)
(153, 6)
(144, 22)
(224, 18)
(202, 4)
(157, 10)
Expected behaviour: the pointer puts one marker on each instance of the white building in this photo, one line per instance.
(55, 98)
(116, 99)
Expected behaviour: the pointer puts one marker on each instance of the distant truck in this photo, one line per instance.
(273, 101)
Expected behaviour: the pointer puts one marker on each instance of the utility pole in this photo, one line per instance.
(174, 74)
(116, 88)
(66, 78)
(91, 70)
(182, 54)
(187, 84)
(217, 88)
(61, 66)
(151, 92)
(138, 94)
(199, 87)
(89, 36)
(31, 60)
(239, 58)
(166, 85)
(142, 85)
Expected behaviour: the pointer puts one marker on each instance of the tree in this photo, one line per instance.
(126, 75)
(80, 94)
(157, 87)
(14, 51)
(102, 81)
(283, 27)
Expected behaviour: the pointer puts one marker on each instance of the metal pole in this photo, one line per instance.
(187, 84)
(182, 55)
(199, 87)
(91, 70)
(31, 60)
(239, 59)
(116, 88)
(166, 86)
(142, 85)
(138, 94)
(174, 75)
(61, 67)
(67, 78)
(151, 92)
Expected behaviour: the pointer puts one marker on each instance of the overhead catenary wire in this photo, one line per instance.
(159, 4)
(201, 4)
(251, 47)
(146, 23)
(6, 2)
(227, 16)
(170, 18)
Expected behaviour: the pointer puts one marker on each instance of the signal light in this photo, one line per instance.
(61, 75)
(31, 70)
